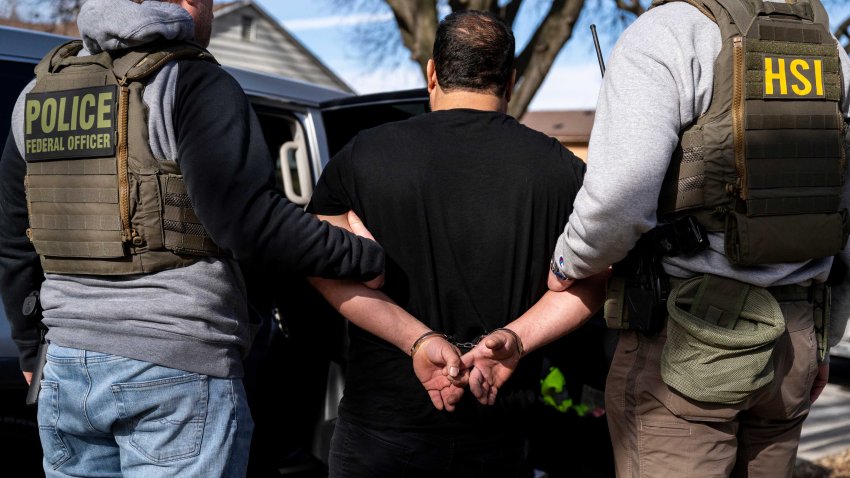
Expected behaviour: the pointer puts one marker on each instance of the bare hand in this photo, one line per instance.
(28, 377)
(492, 362)
(358, 228)
(437, 365)
(820, 382)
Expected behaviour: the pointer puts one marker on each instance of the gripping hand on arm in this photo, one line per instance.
(357, 227)
(436, 362)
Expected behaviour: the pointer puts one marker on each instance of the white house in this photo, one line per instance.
(246, 36)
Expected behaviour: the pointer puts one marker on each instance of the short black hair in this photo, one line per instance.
(474, 51)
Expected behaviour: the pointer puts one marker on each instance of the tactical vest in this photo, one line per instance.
(99, 202)
(765, 164)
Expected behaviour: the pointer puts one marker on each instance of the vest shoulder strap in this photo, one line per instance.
(744, 12)
(741, 12)
(53, 58)
(138, 64)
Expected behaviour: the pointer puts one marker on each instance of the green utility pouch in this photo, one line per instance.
(720, 339)
(774, 239)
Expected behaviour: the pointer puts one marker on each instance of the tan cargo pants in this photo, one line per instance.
(656, 432)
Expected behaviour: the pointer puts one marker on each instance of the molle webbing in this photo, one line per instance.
(765, 163)
(102, 203)
(72, 208)
(184, 232)
(686, 175)
(794, 149)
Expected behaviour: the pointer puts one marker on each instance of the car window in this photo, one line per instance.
(13, 76)
(343, 123)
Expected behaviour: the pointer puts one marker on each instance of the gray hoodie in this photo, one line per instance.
(192, 318)
(659, 80)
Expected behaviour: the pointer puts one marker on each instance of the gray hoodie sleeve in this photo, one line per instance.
(655, 84)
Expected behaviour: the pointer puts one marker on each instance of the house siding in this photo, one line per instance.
(269, 51)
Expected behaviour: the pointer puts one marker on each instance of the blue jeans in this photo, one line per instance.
(101, 415)
(362, 452)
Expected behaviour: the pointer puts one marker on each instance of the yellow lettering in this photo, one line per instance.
(63, 125)
(86, 118)
(48, 115)
(103, 109)
(819, 77)
(75, 107)
(770, 76)
(795, 70)
(107, 142)
(32, 111)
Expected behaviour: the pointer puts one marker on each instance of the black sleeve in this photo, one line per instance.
(230, 180)
(579, 166)
(331, 196)
(20, 270)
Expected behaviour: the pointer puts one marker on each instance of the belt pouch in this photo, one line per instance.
(720, 339)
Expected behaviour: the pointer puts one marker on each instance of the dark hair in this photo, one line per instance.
(474, 51)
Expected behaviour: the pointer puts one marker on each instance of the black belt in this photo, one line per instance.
(792, 292)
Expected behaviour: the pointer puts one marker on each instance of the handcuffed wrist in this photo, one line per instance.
(422, 339)
(519, 347)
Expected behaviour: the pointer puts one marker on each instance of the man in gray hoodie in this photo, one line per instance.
(146, 309)
(670, 107)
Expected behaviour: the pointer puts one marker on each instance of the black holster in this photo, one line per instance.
(32, 310)
(636, 296)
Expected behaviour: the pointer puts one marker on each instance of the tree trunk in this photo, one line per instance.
(417, 23)
(535, 61)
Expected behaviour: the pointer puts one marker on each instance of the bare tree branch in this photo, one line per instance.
(509, 11)
(417, 22)
(632, 6)
(536, 59)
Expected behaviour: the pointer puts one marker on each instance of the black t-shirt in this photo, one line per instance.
(468, 205)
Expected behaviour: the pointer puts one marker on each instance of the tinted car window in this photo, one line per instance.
(13, 77)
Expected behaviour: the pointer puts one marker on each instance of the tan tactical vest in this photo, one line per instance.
(765, 164)
(99, 202)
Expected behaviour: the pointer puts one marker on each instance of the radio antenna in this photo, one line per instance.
(598, 49)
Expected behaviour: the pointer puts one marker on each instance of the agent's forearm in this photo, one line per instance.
(559, 313)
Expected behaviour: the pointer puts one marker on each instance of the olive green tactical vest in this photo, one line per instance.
(99, 202)
(765, 164)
